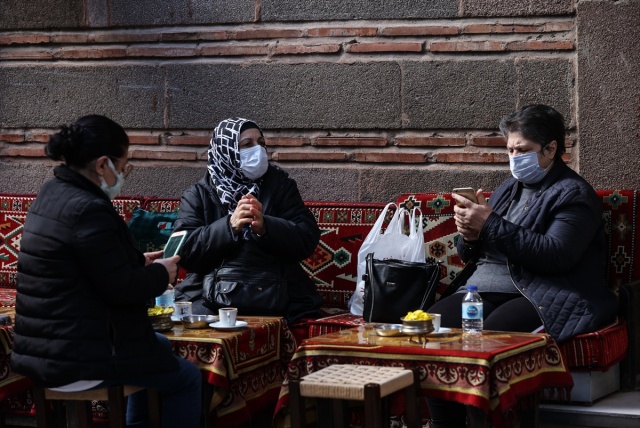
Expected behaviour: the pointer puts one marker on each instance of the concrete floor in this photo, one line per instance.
(619, 410)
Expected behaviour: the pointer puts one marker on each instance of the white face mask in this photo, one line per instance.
(253, 162)
(112, 192)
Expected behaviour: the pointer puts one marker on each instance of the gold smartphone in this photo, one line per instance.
(467, 192)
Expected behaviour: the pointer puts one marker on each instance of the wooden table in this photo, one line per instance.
(493, 374)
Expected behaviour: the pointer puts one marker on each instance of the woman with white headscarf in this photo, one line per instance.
(248, 215)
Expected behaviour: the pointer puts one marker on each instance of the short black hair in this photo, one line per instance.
(539, 123)
(87, 139)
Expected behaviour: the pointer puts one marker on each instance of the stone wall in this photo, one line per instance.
(360, 100)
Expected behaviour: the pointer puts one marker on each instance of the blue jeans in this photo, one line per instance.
(180, 395)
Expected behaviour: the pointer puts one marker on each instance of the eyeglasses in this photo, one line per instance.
(128, 167)
(126, 170)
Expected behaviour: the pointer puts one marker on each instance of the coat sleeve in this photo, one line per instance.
(111, 262)
(556, 235)
(292, 230)
(207, 243)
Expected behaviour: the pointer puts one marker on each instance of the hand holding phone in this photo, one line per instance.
(174, 243)
(467, 192)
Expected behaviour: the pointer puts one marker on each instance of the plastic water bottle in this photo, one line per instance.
(472, 312)
(166, 299)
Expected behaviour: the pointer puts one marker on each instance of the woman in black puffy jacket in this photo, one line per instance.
(249, 217)
(83, 286)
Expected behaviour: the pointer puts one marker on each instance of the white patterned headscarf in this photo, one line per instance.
(224, 163)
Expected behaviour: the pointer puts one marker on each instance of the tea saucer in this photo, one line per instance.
(443, 330)
(220, 326)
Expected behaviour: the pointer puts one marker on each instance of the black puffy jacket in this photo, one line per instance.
(555, 251)
(292, 236)
(81, 311)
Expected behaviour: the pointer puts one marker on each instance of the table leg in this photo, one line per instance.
(476, 418)
(530, 417)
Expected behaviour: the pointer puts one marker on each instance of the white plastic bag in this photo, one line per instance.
(392, 244)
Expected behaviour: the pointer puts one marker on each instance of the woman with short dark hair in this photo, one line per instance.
(536, 249)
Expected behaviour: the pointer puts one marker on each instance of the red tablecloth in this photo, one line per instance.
(492, 374)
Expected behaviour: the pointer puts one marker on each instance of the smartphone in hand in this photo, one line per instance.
(174, 243)
(467, 192)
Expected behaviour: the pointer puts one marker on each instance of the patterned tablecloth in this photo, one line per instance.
(492, 374)
(246, 366)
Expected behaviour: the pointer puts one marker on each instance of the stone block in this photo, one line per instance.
(609, 107)
(457, 94)
(384, 184)
(325, 184)
(40, 14)
(518, 8)
(47, 96)
(327, 10)
(180, 12)
(549, 82)
(322, 96)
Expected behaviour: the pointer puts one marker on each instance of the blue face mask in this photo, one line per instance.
(526, 168)
(112, 192)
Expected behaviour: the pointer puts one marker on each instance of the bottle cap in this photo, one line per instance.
(472, 288)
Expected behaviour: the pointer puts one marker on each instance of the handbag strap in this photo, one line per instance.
(435, 276)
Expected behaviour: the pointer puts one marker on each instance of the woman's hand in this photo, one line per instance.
(151, 257)
(171, 265)
(248, 211)
(470, 217)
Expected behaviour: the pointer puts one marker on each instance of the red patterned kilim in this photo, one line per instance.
(334, 264)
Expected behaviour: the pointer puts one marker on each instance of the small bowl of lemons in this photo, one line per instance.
(417, 322)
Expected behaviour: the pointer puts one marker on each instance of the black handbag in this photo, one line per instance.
(394, 287)
(251, 290)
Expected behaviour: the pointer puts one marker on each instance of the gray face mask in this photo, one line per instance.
(253, 162)
(112, 192)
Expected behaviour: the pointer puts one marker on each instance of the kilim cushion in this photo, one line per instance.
(13, 213)
(334, 264)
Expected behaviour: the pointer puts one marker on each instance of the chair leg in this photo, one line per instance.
(155, 408)
(412, 393)
(296, 405)
(44, 413)
(77, 413)
(117, 407)
(372, 406)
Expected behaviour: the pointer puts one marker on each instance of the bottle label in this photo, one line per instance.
(471, 311)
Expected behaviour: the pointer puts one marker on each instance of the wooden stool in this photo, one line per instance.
(353, 382)
(115, 395)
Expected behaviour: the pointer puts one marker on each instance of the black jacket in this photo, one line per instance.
(81, 311)
(292, 236)
(555, 251)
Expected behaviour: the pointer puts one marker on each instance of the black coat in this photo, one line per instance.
(292, 236)
(555, 251)
(81, 307)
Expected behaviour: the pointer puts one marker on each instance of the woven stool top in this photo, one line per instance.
(347, 381)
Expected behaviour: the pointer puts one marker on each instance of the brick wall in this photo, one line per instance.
(360, 100)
